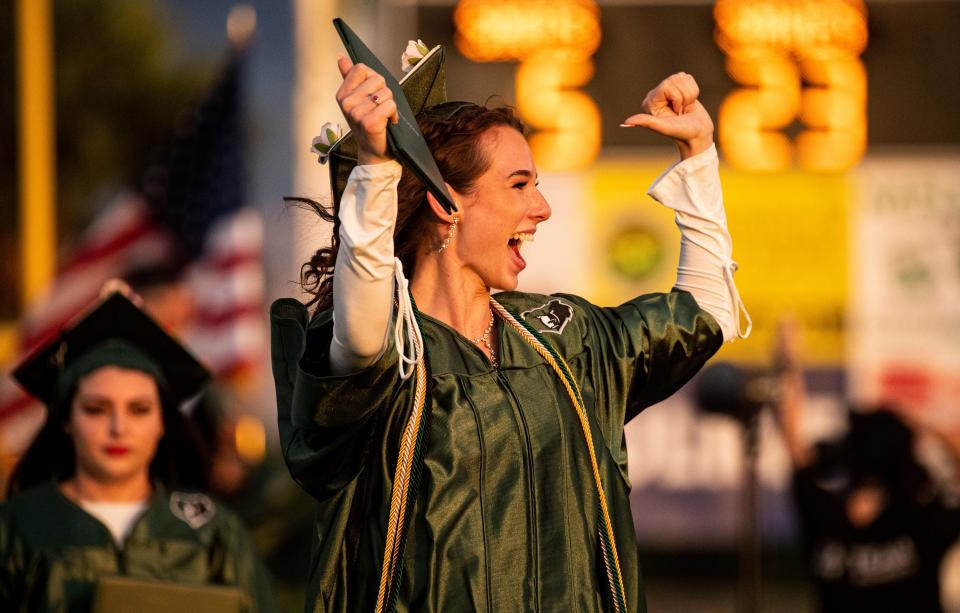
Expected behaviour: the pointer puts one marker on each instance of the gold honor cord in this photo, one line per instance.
(411, 454)
(608, 544)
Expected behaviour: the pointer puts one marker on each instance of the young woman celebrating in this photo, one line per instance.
(93, 511)
(494, 478)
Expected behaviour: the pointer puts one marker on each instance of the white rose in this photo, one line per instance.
(414, 52)
(329, 134)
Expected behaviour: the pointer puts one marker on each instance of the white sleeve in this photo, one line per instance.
(692, 189)
(363, 277)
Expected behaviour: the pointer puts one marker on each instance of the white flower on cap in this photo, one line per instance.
(329, 134)
(414, 52)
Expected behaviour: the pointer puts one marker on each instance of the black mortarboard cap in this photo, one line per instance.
(113, 332)
(423, 87)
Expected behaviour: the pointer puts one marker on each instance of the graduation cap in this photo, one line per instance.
(423, 87)
(114, 332)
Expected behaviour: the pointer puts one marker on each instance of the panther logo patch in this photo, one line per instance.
(196, 510)
(553, 316)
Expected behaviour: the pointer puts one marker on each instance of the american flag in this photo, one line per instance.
(192, 209)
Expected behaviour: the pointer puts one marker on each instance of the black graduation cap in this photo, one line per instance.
(424, 86)
(113, 332)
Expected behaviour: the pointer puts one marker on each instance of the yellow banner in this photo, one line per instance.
(790, 239)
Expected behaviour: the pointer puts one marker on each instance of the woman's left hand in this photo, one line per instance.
(672, 109)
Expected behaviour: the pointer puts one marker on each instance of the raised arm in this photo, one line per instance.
(692, 189)
(792, 393)
(363, 277)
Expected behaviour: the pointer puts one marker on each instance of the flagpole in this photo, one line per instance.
(36, 143)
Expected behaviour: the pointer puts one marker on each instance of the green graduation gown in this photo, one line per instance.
(506, 517)
(52, 551)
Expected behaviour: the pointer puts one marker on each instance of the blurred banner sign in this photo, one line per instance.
(905, 303)
(790, 227)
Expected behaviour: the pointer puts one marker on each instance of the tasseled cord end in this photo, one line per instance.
(729, 268)
(406, 332)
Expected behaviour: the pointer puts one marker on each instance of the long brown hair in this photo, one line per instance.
(454, 132)
(181, 460)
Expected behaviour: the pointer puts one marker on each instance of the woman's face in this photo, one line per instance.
(502, 212)
(116, 423)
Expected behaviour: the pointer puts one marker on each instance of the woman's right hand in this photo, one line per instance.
(367, 103)
(672, 108)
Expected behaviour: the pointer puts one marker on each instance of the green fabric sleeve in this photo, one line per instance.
(11, 561)
(327, 429)
(21, 581)
(636, 354)
(242, 567)
(324, 420)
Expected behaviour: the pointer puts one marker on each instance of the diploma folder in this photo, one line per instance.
(404, 138)
(116, 594)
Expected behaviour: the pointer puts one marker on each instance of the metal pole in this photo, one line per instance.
(36, 140)
(750, 530)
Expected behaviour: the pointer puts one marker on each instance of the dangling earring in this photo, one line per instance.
(451, 234)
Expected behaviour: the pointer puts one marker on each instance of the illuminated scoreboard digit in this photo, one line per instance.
(797, 60)
(797, 63)
(554, 42)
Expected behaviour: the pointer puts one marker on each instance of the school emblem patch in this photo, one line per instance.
(552, 316)
(196, 510)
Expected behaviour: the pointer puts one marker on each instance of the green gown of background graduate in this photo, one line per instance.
(54, 555)
(506, 518)
(52, 552)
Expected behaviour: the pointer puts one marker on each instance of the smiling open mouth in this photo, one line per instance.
(518, 239)
(516, 242)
